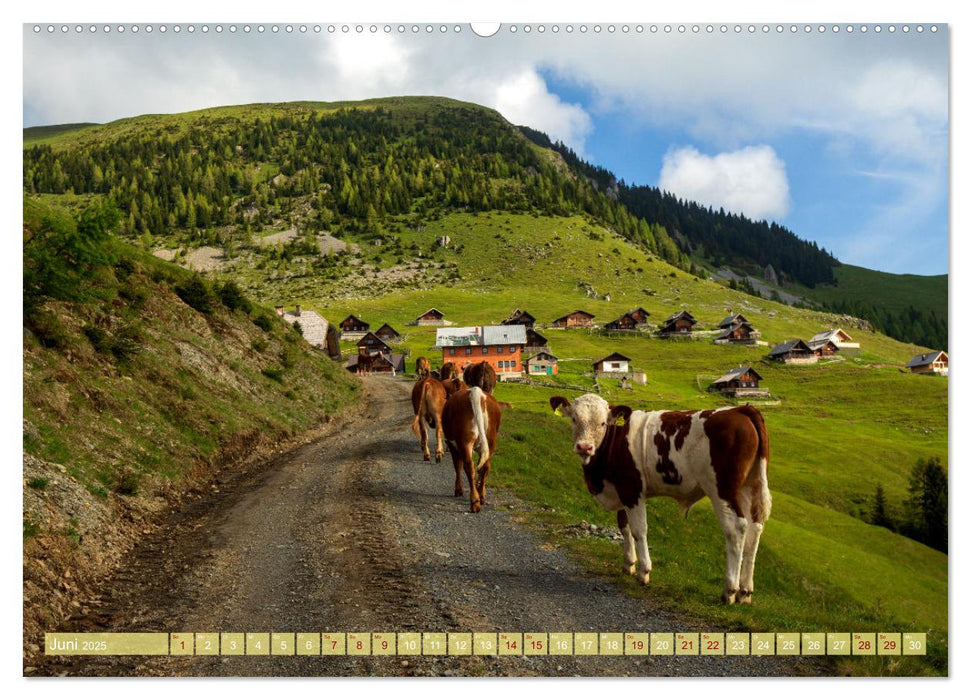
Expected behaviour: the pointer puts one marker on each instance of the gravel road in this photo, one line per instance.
(354, 532)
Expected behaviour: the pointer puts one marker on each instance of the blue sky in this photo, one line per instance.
(841, 137)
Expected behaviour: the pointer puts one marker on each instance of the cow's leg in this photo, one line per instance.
(470, 475)
(483, 474)
(630, 556)
(423, 436)
(457, 463)
(439, 447)
(735, 528)
(746, 583)
(637, 520)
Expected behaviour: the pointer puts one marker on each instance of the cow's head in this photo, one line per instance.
(591, 416)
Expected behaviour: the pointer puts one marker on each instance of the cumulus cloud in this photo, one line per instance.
(525, 99)
(751, 181)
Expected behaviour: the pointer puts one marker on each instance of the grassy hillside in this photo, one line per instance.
(885, 290)
(358, 230)
(132, 396)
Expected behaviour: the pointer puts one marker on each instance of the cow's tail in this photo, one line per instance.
(759, 478)
(480, 423)
(416, 424)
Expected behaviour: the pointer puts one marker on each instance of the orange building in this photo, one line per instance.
(500, 346)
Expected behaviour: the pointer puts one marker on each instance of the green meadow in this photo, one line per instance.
(837, 429)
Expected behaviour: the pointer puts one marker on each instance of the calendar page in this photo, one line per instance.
(485, 349)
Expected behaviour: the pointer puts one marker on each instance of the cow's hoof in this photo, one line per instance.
(458, 492)
(631, 568)
(744, 597)
(438, 459)
(476, 506)
(644, 578)
(728, 597)
(428, 458)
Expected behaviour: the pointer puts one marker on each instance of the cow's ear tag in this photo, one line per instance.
(619, 421)
(557, 411)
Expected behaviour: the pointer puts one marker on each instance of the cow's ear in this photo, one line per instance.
(560, 405)
(619, 415)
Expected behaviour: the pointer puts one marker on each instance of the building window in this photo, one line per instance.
(451, 351)
(511, 363)
(485, 351)
(468, 351)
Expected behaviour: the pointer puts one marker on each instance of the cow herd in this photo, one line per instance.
(627, 457)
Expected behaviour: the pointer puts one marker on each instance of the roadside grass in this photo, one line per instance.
(817, 569)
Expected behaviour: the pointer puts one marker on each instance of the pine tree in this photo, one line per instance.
(880, 515)
(927, 504)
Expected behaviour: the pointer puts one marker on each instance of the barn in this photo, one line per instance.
(731, 320)
(929, 363)
(739, 382)
(432, 317)
(681, 323)
(741, 332)
(371, 344)
(625, 323)
(352, 324)
(500, 346)
(639, 315)
(520, 318)
(541, 363)
(793, 352)
(614, 363)
(576, 319)
(382, 363)
(388, 334)
(823, 348)
(840, 338)
(535, 342)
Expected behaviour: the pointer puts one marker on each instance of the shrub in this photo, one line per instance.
(125, 343)
(128, 483)
(274, 373)
(38, 482)
(263, 322)
(48, 329)
(232, 297)
(196, 293)
(100, 340)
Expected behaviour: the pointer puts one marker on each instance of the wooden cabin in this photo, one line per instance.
(614, 363)
(535, 342)
(520, 318)
(577, 319)
(681, 323)
(432, 317)
(381, 363)
(741, 381)
(729, 321)
(823, 348)
(542, 363)
(371, 344)
(500, 346)
(352, 324)
(388, 334)
(639, 315)
(929, 363)
(841, 339)
(624, 323)
(738, 333)
(793, 352)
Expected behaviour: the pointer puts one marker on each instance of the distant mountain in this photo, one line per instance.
(220, 175)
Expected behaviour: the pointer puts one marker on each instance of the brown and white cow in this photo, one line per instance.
(449, 370)
(629, 456)
(480, 374)
(428, 400)
(423, 367)
(453, 385)
(471, 423)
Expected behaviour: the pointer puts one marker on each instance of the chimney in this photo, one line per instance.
(297, 312)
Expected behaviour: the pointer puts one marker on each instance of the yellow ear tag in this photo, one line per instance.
(557, 411)
(619, 421)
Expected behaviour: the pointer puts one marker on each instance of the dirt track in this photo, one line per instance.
(354, 532)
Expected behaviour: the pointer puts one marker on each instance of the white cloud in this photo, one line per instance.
(751, 181)
(525, 99)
